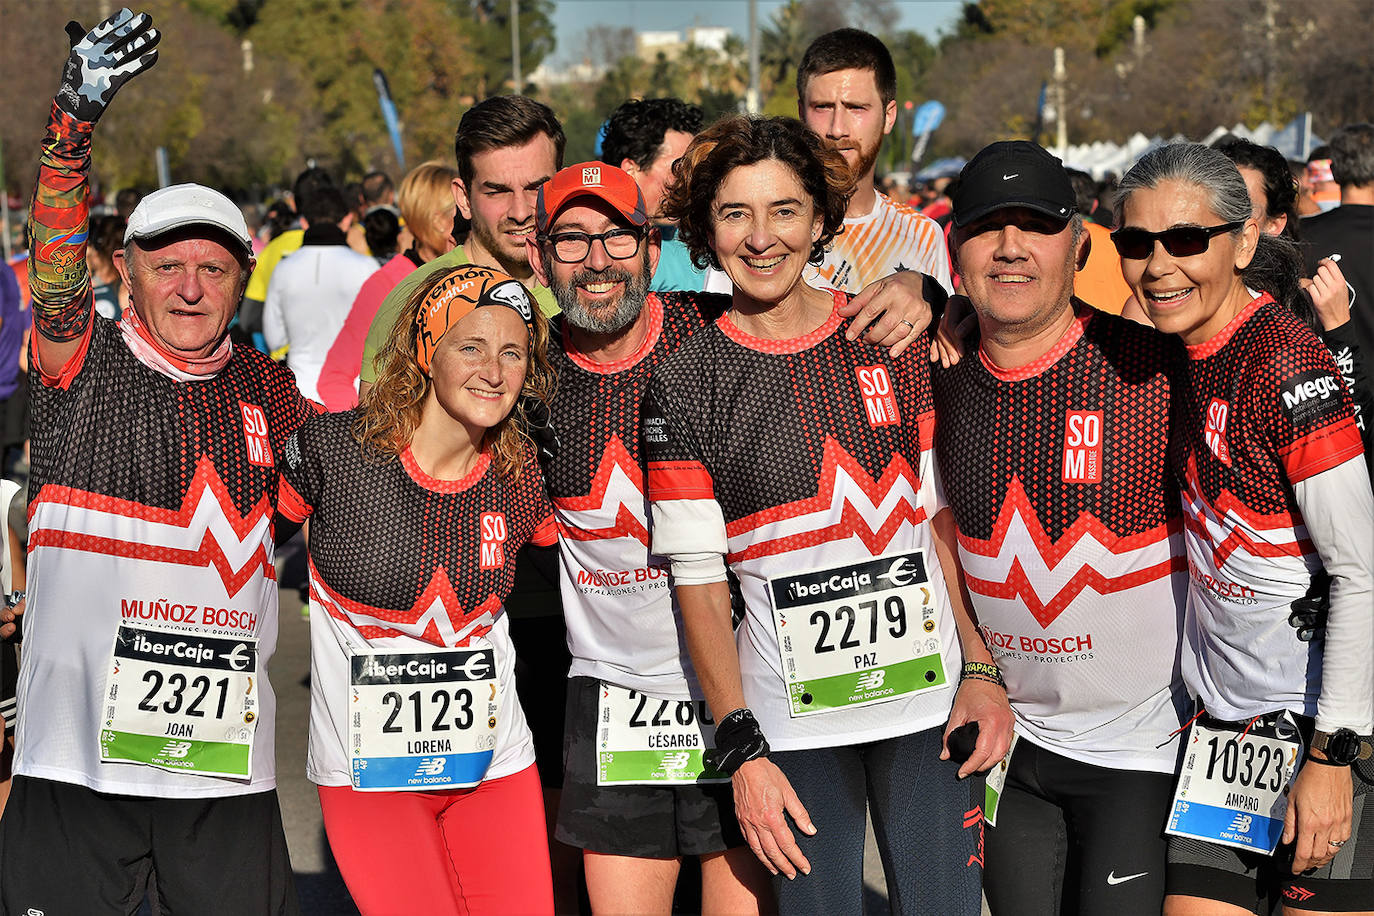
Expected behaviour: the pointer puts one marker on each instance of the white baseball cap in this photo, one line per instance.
(186, 205)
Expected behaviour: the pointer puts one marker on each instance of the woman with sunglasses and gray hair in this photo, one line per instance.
(1268, 806)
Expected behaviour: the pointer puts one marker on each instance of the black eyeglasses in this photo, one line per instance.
(572, 247)
(1180, 241)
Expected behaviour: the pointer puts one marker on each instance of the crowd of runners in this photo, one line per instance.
(702, 502)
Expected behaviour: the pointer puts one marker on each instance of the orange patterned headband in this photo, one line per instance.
(460, 291)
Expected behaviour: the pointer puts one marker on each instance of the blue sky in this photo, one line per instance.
(573, 17)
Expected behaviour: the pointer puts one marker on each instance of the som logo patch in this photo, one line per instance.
(255, 434)
(1083, 446)
(1214, 429)
(493, 527)
(880, 404)
(591, 175)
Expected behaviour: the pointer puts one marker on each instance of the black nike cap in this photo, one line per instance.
(1013, 173)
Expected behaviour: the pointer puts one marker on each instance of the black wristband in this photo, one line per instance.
(738, 740)
(983, 671)
(1326, 763)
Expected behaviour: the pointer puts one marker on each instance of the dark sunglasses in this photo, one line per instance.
(1180, 241)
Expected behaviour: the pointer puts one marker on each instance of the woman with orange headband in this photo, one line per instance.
(418, 501)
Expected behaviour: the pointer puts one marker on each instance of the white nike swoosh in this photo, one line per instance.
(1113, 879)
(1010, 177)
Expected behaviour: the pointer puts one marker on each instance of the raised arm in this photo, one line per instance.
(101, 61)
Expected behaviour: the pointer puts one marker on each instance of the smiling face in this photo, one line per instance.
(1017, 267)
(599, 294)
(501, 201)
(479, 368)
(1195, 296)
(765, 225)
(844, 106)
(185, 287)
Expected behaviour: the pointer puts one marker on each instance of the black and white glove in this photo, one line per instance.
(104, 59)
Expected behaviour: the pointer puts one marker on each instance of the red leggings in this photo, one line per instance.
(464, 851)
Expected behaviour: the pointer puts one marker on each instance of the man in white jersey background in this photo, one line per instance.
(1054, 437)
(147, 739)
(847, 93)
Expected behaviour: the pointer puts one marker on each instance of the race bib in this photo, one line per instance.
(854, 635)
(1233, 788)
(647, 741)
(183, 702)
(995, 782)
(422, 720)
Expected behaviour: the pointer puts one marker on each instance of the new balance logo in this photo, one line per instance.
(430, 766)
(870, 680)
(676, 761)
(1240, 823)
(175, 749)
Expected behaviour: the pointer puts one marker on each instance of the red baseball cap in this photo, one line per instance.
(591, 179)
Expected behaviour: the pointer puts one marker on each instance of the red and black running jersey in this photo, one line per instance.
(151, 502)
(620, 616)
(787, 456)
(1071, 535)
(1263, 411)
(400, 560)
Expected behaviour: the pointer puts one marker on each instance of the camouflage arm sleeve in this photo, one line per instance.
(58, 219)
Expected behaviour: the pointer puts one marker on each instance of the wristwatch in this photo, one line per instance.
(1342, 747)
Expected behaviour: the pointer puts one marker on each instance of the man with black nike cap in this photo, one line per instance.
(146, 741)
(1053, 441)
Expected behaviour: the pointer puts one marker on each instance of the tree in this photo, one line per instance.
(487, 24)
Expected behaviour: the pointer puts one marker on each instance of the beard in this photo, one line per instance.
(495, 244)
(611, 317)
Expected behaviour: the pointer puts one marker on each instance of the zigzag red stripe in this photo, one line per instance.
(208, 554)
(1052, 552)
(851, 524)
(1228, 504)
(440, 588)
(615, 456)
(1018, 586)
(626, 526)
(833, 457)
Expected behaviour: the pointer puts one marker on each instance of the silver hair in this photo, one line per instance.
(1194, 164)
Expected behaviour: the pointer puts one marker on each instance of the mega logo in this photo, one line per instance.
(1310, 396)
(1083, 446)
(493, 529)
(255, 434)
(880, 404)
(1214, 429)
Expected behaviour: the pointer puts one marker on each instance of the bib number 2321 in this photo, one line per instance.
(854, 635)
(183, 702)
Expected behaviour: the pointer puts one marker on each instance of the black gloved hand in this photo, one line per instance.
(539, 426)
(1309, 612)
(104, 59)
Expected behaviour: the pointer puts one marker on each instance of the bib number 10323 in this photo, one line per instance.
(1233, 786)
(854, 635)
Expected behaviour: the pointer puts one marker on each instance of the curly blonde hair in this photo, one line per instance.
(390, 412)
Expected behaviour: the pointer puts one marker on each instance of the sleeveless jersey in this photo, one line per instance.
(1264, 409)
(783, 456)
(891, 238)
(1071, 536)
(400, 560)
(622, 624)
(152, 503)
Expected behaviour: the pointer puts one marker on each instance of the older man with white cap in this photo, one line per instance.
(147, 737)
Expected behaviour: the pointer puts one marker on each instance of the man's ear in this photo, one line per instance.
(1085, 246)
(889, 117)
(655, 242)
(121, 264)
(460, 197)
(631, 168)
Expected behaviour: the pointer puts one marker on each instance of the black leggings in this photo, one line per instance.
(929, 826)
(1073, 838)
